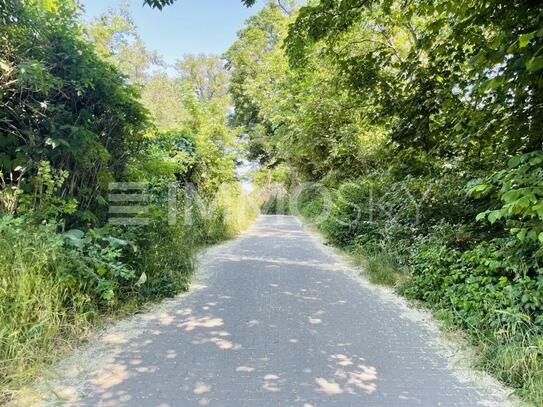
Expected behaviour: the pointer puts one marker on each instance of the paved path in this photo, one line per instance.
(274, 322)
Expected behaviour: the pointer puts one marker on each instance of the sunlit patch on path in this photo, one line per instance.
(271, 320)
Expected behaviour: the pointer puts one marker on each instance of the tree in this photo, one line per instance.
(162, 96)
(203, 83)
(204, 76)
(63, 104)
(117, 41)
(160, 4)
(257, 64)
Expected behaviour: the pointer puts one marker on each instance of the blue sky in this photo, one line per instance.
(187, 26)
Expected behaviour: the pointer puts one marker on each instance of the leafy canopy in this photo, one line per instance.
(160, 4)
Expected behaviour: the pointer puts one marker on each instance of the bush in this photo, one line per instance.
(421, 235)
(62, 104)
(54, 284)
(276, 205)
(487, 288)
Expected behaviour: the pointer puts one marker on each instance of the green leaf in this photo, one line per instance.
(525, 39)
(108, 294)
(494, 83)
(479, 188)
(481, 216)
(534, 64)
(493, 216)
(75, 237)
(511, 196)
(540, 237)
(117, 242)
(516, 161)
(538, 209)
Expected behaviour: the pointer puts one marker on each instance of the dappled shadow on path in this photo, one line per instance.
(273, 325)
(193, 354)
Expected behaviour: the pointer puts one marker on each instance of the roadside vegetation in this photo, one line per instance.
(422, 119)
(83, 106)
(417, 123)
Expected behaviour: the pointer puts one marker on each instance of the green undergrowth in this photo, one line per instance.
(56, 287)
(474, 279)
(86, 137)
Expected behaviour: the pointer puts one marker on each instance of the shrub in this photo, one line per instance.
(54, 284)
(488, 287)
(421, 235)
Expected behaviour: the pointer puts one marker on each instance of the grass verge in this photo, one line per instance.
(53, 295)
(512, 353)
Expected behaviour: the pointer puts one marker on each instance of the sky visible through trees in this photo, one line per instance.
(421, 118)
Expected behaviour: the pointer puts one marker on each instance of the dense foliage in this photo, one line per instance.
(423, 119)
(162, 3)
(72, 122)
(77, 113)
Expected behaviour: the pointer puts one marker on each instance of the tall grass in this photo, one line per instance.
(240, 209)
(42, 311)
(37, 312)
(514, 354)
(380, 266)
(460, 285)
